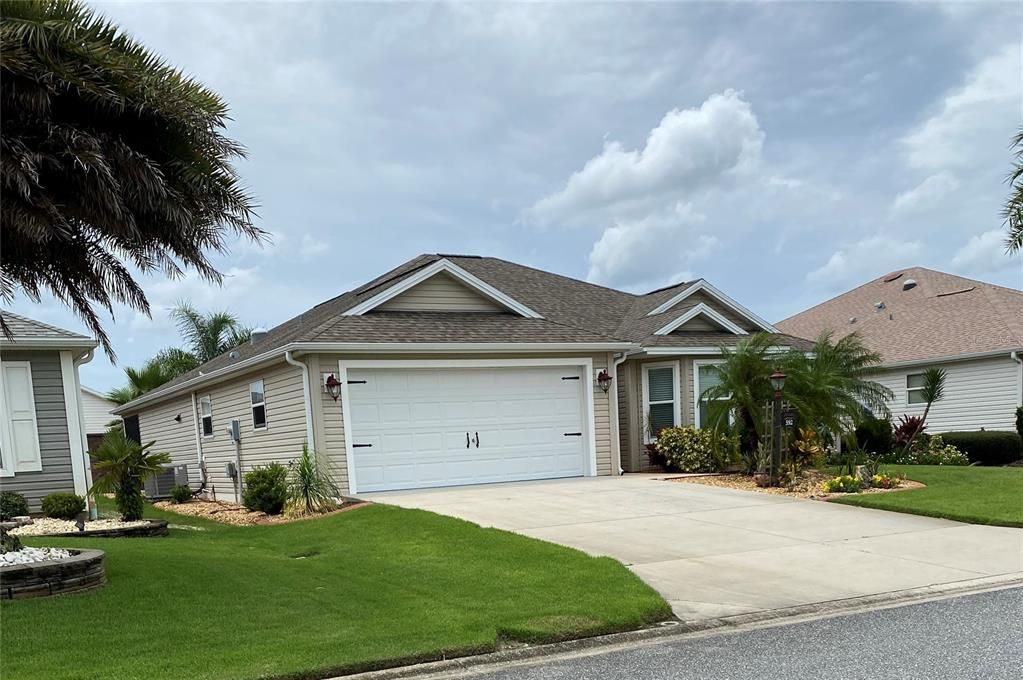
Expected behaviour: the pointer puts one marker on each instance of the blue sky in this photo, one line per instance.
(786, 152)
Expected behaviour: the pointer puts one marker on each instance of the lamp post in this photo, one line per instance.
(778, 383)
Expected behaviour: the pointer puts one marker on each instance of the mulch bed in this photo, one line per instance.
(811, 485)
(239, 515)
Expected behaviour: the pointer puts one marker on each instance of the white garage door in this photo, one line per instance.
(415, 428)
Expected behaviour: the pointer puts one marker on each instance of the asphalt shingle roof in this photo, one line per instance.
(943, 315)
(24, 328)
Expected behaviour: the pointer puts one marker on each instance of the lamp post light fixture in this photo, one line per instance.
(778, 383)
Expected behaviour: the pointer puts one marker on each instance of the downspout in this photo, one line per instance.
(198, 441)
(617, 439)
(84, 359)
(1014, 355)
(308, 398)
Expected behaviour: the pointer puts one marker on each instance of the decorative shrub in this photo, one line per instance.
(12, 504)
(884, 481)
(266, 489)
(903, 432)
(310, 487)
(9, 542)
(1019, 421)
(875, 435)
(936, 452)
(181, 493)
(807, 450)
(656, 458)
(62, 505)
(987, 447)
(122, 465)
(843, 484)
(687, 449)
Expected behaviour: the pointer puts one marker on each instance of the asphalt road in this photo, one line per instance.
(974, 636)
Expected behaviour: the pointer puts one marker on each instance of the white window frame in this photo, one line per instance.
(5, 425)
(910, 390)
(697, 392)
(253, 405)
(676, 393)
(206, 399)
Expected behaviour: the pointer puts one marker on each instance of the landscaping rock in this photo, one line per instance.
(29, 555)
(101, 528)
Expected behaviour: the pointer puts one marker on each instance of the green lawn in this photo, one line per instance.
(981, 495)
(349, 591)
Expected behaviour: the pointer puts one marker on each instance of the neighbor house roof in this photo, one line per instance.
(29, 333)
(942, 315)
(554, 312)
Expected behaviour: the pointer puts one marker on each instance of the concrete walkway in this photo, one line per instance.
(714, 552)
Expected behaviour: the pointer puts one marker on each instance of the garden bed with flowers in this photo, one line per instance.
(811, 484)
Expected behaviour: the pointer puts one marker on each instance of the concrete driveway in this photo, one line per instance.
(714, 552)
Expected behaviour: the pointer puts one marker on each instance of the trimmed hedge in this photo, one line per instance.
(987, 447)
(62, 505)
(874, 435)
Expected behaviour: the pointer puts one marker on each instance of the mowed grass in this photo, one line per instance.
(980, 495)
(355, 590)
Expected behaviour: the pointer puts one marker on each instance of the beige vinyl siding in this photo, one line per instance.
(178, 439)
(280, 441)
(739, 320)
(697, 323)
(51, 424)
(981, 393)
(440, 293)
(330, 411)
(623, 385)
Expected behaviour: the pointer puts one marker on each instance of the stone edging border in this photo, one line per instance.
(156, 527)
(84, 570)
(678, 629)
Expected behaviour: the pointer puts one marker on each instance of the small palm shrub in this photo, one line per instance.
(843, 484)
(12, 504)
(61, 505)
(181, 493)
(266, 489)
(311, 489)
(688, 449)
(123, 466)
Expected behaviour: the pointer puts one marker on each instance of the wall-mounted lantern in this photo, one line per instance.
(332, 386)
(604, 380)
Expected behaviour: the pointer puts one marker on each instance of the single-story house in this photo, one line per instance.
(449, 370)
(97, 414)
(43, 447)
(920, 318)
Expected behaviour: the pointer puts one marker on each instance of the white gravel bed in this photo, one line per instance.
(30, 555)
(47, 525)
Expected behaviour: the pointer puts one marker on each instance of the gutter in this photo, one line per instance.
(279, 353)
(308, 398)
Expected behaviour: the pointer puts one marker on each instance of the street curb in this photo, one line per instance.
(679, 629)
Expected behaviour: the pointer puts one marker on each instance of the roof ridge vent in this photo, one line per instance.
(956, 292)
(909, 284)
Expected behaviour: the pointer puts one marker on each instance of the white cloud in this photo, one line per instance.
(239, 286)
(925, 195)
(977, 119)
(312, 246)
(859, 262)
(688, 150)
(650, 252)
(983, 254)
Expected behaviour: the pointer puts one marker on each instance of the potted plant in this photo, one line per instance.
(762, 457)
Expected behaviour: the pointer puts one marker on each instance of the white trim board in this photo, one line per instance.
(72, 395)
(701, 310)
(702, 285)
(444, 265)
(585, 363)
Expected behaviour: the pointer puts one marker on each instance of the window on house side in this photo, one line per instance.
(258, 398)
(915, 389)
(707, 376)
(661, 395)
(206, 415)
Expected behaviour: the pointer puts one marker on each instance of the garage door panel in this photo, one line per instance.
(417, 421)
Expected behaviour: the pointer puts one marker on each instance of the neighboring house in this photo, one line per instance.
(919, 318)
(453, 370)
(42, 433)
(96, 410)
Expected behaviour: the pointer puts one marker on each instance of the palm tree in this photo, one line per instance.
(933, 390)
(743, 388)
(1013, 211)
(141, 380)
(829, 387)
(122, 467)
(208, 335)
(108, 153)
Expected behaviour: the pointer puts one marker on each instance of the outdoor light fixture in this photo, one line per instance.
(777, 381)
(333, 386)
(604, 380)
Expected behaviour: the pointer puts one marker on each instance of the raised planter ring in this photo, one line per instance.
(84, 570)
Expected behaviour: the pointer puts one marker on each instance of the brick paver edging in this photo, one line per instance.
(84, 570)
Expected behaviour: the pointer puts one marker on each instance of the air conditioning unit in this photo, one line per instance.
(161, 484)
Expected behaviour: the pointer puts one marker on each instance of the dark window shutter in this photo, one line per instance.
(131, 429)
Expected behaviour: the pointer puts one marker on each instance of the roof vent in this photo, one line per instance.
(233, 354)
(852, 319)
(879, 305)
(892, 277)
(909, 284)
(956, 292)
(257, 335)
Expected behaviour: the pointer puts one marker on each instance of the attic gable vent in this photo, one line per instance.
(909, 284)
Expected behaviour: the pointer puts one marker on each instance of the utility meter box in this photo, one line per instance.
(234, 430)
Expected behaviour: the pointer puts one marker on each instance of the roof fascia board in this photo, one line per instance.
(48, 343)
(702, 351)
(371, 348)
(720, 297)
(952, 358)
(443, 265)
(701, 310)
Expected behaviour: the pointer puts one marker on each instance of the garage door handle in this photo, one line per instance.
(477, 440)
(466, 440)
(361, 446)
(573, 434)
